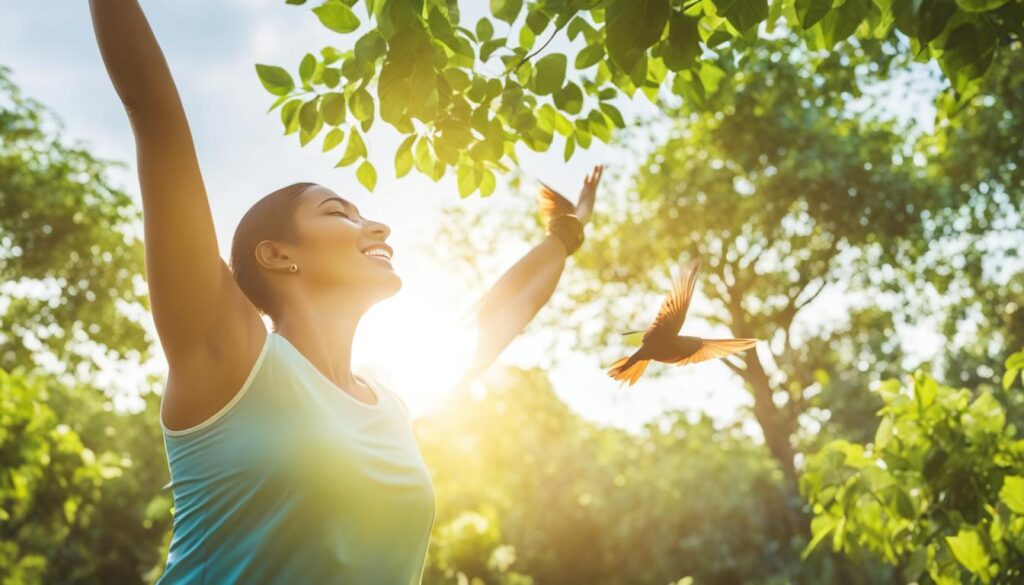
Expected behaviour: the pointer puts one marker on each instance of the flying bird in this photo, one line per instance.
(662, 342)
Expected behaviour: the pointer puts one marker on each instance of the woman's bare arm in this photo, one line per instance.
(191, 289)
(519, 294)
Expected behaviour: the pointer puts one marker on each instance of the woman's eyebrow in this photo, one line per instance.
(345, 203)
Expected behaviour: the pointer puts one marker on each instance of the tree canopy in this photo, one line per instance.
(464, 95)
(69, 258)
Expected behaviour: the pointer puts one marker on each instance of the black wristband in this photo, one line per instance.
(569, 230)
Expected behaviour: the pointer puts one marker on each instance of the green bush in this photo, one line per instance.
(940, 491)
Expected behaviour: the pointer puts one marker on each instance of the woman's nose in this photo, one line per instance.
(378, 230)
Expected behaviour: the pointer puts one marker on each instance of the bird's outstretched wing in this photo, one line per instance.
(553, 203)
(717, 348)
(673, 309)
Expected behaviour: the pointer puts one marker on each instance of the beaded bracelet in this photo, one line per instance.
(568, 228)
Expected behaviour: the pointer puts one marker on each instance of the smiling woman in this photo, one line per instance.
(285, 465)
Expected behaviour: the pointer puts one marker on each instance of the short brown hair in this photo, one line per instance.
(270, 218)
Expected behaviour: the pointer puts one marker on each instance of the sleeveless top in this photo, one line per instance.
(296, 481)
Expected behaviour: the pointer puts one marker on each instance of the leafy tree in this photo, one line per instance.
(79, 492)
(522, 478)
(465, 98)
(79, 482)
(939, 492)
(788, 193)
(979, 153)
(69, 259)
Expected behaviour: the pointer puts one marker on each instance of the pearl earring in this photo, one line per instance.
(293, 268)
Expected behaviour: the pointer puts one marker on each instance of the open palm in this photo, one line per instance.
(585, 205)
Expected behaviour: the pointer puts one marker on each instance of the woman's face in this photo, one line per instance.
(337, 247)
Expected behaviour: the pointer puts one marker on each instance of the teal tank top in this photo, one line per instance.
(296, 481)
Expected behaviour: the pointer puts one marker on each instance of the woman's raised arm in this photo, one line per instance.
(191, 289)
(518, 295)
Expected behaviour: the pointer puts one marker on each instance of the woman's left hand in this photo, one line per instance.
(585, 205)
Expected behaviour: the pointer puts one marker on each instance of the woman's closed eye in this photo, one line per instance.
(341, 213)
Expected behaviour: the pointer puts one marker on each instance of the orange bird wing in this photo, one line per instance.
(717, 348)
(673, 309)
(552, 202)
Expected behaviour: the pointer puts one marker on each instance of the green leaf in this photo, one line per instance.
(987, 413)
(743, 14)
(774, 14)
(370, 46)
(1016, 361)
(306, 69)
(333, 138)
(275, 79)
(843, 21)
(309, 114)
(290, 115)
(361, 104)
(467, 179)
(589, 56)
(332, 108)
(277, 102)
(337, 16)
(506, 10)
(884, 433)
(484, 30)
(569, 99)
(683, 42)
(550, 74)
(403, 157)
(969, 550)
(811, 11)
(331, 76)
(306, 135)
(570, 148)
(932, 18)
(1012, 493)
(821, 527)
(421, 156)
(980, 5)
(486, 183)
(367, 175)
(632, 27)
(1008, 378)
(562, 125)
(355, 149)
(490, 46)
(537, 20)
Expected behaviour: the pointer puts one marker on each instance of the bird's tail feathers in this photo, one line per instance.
(625, 371)
(552, 203)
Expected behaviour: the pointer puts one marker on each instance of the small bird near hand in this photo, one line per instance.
(662, 342)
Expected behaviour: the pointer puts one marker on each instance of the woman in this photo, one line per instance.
(285, 466)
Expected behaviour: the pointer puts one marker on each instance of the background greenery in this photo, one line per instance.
(778, 161)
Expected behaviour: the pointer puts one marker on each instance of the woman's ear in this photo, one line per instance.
(272, 255)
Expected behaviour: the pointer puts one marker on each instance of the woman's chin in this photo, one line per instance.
(389, 285)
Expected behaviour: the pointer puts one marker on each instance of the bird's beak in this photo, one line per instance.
(633, 337)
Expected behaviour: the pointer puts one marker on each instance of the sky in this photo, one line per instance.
(211, 48)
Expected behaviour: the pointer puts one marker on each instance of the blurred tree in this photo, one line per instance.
(521, 477)
(80, 498)
(70, 263)
(981, 153)
(79, 493)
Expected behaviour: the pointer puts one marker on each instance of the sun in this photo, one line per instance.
(418, 343)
